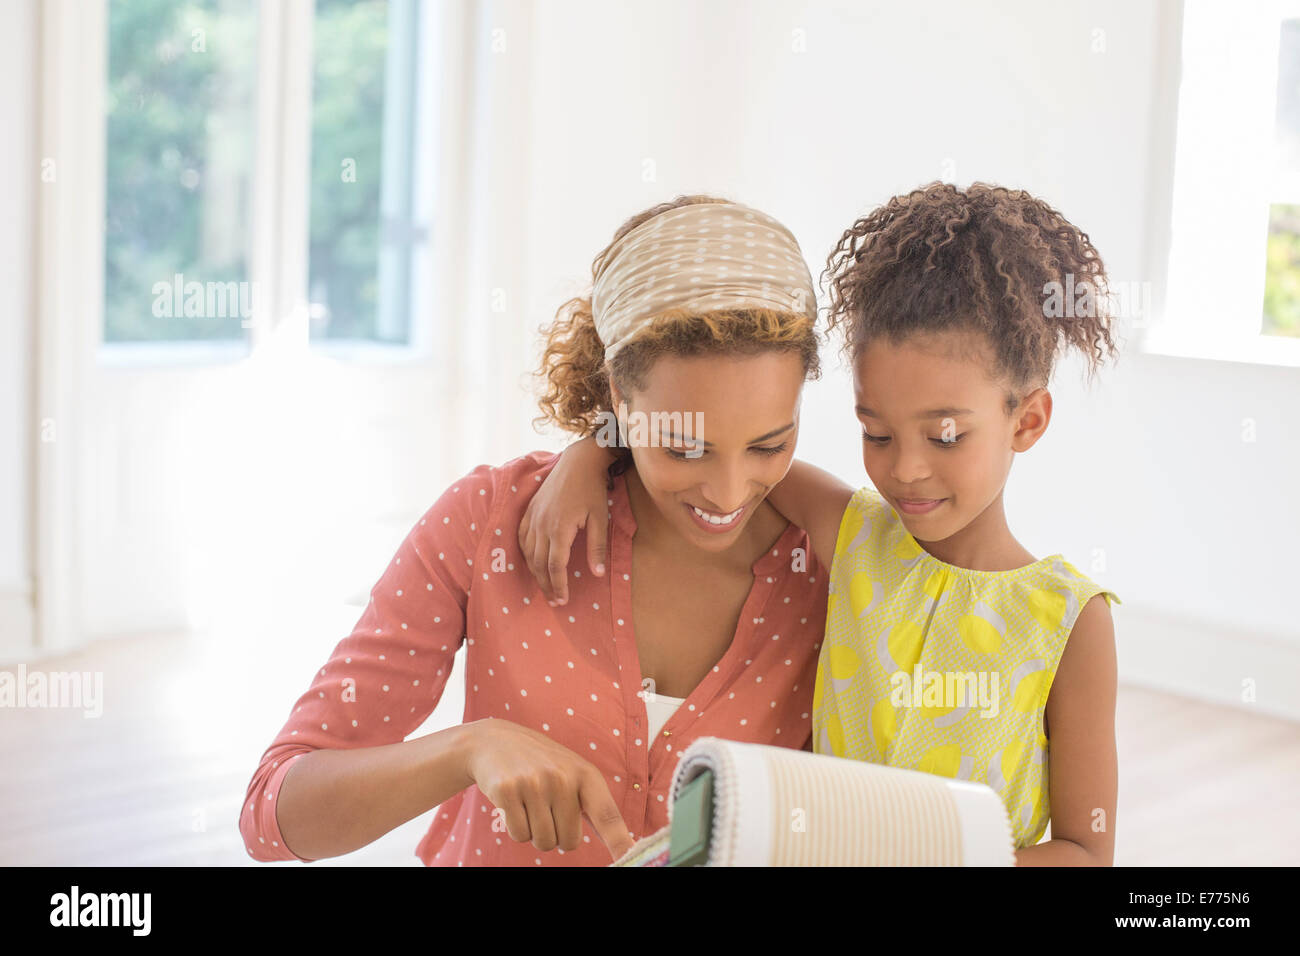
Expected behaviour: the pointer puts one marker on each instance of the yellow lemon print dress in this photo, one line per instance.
(943, 669)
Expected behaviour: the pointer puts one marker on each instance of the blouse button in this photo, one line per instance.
(636, 786)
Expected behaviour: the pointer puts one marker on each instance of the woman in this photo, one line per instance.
(708, 622)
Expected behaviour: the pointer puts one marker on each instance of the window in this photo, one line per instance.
(363, 233)
(229, 214)
(1233, 288)
(180, 126)
(1282, 269)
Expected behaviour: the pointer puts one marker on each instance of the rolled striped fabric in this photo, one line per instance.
(773, 806)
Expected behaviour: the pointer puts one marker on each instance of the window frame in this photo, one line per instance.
(72, 363)
(279, 214)
(1190, 323)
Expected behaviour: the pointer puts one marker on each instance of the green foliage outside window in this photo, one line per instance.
(1282, 273)
(181, 120)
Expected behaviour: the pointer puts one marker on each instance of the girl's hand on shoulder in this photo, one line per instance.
(572, 497)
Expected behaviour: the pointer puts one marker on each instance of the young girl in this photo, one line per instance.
(949, 647)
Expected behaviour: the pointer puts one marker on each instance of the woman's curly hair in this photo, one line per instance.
(577, 378)
(979, 260)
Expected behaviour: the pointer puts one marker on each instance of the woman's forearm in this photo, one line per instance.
(332, 802)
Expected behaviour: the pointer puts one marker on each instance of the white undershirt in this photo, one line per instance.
(658, 708)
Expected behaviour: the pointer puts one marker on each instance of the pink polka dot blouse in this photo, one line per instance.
(571, 671)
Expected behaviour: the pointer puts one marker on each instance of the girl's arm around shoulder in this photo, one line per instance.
(813, 499)
(1083, 767)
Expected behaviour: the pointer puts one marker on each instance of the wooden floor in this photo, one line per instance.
(159, 778)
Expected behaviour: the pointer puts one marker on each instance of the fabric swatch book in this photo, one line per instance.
(739, 804)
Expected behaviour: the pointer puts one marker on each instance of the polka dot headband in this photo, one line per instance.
(706, 256)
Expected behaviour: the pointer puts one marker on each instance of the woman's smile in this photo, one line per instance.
(715, 523)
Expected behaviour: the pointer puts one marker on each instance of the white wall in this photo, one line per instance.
(1144, 480)
(884, 98)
